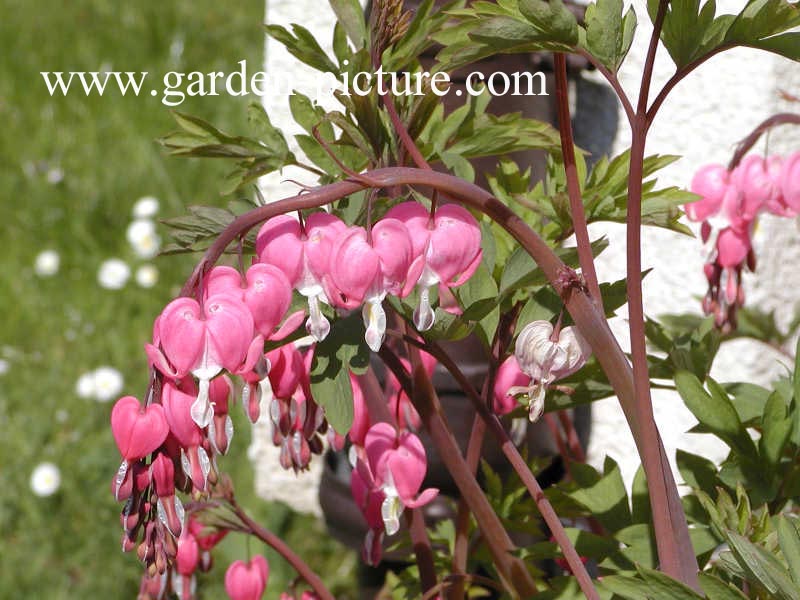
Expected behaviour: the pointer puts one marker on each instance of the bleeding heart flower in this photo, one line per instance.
(178, 410)
(188, 554)
(710, 182)
(138, 431)
(247, 581)
(450, 245)
(265, 291)
(170, 509)
(545, 356)
(303, 256)
(758, 180)
(790, 183)
(509, 376)
(398, 464)
(204, 341)
(364, 268)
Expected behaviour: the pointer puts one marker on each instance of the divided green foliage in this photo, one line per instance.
(520, 26)
(254, 157)
(608, 34)
(692, 30)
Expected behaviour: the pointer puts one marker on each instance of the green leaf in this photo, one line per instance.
(697, 471)
(664, 587)
(749, 400)
(760, 21)
(640, 498)
(789, 539)
(521, 271)
(552, 18)
(302, 45)
(762, 567)
(715, 412)
(775, 430)
(716, 589)
(350, 15)
(344, 350)
(796, 397)
(605, 496)
(608, 34)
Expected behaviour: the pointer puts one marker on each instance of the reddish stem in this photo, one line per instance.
(573, 441)
(555, 431)
(585, 256)
(422, 549)
(746, 144)
(675, 552)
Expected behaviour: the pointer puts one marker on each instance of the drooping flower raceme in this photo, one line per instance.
(546, 355)
(728, 209)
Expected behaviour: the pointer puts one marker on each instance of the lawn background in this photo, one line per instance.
(54, 329)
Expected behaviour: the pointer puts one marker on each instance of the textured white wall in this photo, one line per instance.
(703, 119)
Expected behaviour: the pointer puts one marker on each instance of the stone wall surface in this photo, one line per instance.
(711, 110)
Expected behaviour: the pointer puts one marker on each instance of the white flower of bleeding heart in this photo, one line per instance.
(146, 207)
(113, 274)
(47, 263)
(545, 356)
(143, 239)
(45, 479)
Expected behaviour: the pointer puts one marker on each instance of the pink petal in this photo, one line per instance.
(790, 183)
(230, 331)
(177, 411)
(380, 440)
(392, 243)
(710, 182)
(182, 333)
(732, 247)
(268, 296)
(223, 279)
(137, 431)
(278, 243)
(354, 269)
(424, 497)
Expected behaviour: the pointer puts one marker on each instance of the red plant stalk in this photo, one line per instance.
(675, 552)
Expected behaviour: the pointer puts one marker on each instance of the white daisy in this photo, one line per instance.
(143, 238)
(145, 207)
(47, 263)
(107, 383)
(85, 387)
(45, 479)
(147, 276)
(113, 274)
(4, 366)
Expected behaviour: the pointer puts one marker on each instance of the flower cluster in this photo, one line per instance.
(170, 442)
(730, 203)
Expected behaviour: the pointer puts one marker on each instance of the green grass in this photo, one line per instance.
(53, 330)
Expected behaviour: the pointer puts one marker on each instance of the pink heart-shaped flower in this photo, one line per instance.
(137, 432)
(247, 581)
